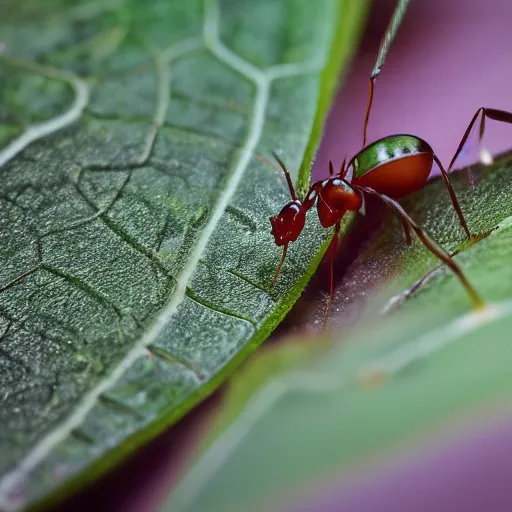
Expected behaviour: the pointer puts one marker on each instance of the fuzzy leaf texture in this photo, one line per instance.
(135, 247)
(420, 363)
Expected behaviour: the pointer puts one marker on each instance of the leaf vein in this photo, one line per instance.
(19, 278)
(79, 284)
(167, 356)
(39, 130)
(218, 309)
(132, 242)
(117, 406)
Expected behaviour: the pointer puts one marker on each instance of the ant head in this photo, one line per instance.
(289, 223)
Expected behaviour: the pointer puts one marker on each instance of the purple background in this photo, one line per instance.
(450, 57)
(468, 475)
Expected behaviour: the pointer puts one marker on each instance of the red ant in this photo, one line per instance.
(389, 168)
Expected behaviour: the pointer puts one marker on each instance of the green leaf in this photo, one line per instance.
(135, 248)
(417, 365)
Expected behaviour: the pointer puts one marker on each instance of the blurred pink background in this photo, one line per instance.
(449, 58)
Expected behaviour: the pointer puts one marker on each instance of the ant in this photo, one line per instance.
(388, 169)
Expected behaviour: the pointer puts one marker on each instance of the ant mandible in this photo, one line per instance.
(388, 169)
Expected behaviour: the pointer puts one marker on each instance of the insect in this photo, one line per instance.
(388, 169)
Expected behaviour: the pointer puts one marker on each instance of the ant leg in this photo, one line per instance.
(490, 113)
(280, 266)
(389, 36)
(407, 231)
(332, 250)
(432, 246)
(497, 115)
(287, 174)
(453, 197)
(368, 108)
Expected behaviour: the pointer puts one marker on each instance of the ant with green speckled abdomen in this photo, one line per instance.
(388, 169)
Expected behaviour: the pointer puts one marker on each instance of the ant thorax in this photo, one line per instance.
(338, 194)
(332, 198)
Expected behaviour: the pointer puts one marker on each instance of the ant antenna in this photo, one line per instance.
(331, 169)
(288, 177)
(368, 108)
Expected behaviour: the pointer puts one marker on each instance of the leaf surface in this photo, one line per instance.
(136, 258)
(419, 363)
